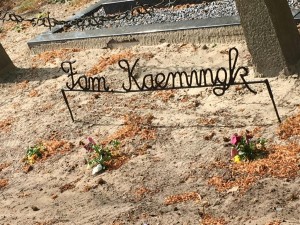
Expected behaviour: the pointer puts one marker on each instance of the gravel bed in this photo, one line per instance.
(203, 10)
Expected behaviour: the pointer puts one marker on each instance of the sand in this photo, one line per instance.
(172, 142)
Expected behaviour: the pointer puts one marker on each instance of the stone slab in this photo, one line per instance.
(117, 6)
(130, 30)
(272, 36)
(55, 36)
(5, 61)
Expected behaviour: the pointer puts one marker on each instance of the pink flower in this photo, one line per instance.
(233, 152)
(89, 146)
(91, 140)
(235, 139)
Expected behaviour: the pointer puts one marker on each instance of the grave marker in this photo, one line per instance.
(272, 36)
(5, 61)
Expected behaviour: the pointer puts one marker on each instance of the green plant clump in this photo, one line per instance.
(246, 148)
(97, 154)
(34, 152)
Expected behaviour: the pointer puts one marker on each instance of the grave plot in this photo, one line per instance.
(111, 22)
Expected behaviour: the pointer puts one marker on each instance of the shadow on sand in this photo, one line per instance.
(17, 75)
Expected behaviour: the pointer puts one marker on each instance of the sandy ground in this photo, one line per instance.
(173, 143)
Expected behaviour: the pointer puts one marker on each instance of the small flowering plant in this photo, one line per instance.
(33, 153)
(97, 154)
(246, 148)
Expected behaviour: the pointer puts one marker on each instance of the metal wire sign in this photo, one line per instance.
(219, 80)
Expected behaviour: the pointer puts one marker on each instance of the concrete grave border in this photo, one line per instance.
(211, 30)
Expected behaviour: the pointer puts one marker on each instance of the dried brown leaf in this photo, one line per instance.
(290, 127)
(50, 56)
(105, 62)
(4, 165)
(281, 162)
(3, 183)
(5, 125)
(165, 96)
(66, 187)
(189, 196)
(209, 220)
